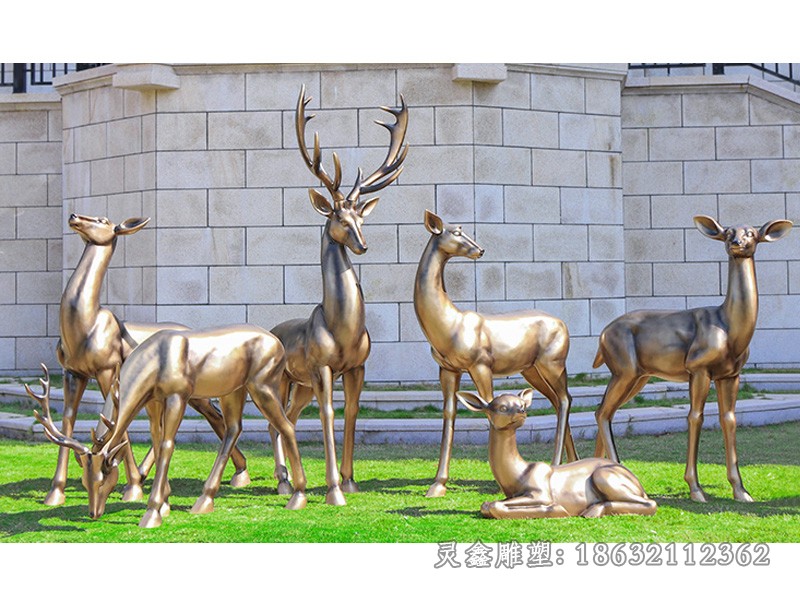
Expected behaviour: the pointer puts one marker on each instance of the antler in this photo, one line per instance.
(315, 163)
(50, 430)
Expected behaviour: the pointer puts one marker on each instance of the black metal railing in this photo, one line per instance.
(21, 76)
(788, 72)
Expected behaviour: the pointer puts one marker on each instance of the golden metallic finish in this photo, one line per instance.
(592, 487)
(334, 340)
(532, 343)
(94, 342)
(696, 345)
(161, 375)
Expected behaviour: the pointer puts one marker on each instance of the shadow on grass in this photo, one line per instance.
(422, 511)
(400, 486)
(789, 505)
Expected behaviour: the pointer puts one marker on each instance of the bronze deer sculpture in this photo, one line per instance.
(94, 342)
(532, 343)
(334, 341)
(696, 345)
(592, 487)
(161, 375)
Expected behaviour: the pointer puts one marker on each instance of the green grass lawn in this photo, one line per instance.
(392, 506)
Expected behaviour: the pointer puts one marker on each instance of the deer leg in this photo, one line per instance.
(727, 390)
(322, 381)
(232, 409)
(620, 389)
(699, 385)
(524, 507)
(301, 398)
(353, 381)
(267, 400)
(174, 408)
(205, 407)
(619, 493)
(554, 388)
(450, 381)
(74, 386)
(280, 473)
(155, 411)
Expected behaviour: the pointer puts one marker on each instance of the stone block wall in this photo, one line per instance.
(725, 147)
(30, 229)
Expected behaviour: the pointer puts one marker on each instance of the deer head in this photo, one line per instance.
(741, 240)
(505, 411)
(100, 467)
(99, 231)
(347, 213)
(451, 239)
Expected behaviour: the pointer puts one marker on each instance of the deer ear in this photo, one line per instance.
(320, 203)
(709, 227)
(367, 206)
(433, 223)
(129, 226)
(111, 458)
(527, 397)
(472, 401)
(774, 230)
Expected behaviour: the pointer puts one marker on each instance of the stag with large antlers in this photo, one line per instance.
(161, 375)
(94, 342)
(334, 341)
(698, 345)
(531, 343)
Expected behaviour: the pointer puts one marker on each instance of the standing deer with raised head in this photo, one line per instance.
(531, 343)
(696, 345)
(592, 487)
(334, 341)
(161, 375)
(94, 342)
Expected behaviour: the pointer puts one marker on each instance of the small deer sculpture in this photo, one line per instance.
(696, 345)
(532, 343)
(592, 487)
(94, 342)
(161, 375)
(334, 341)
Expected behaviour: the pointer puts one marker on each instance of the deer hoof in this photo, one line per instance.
(151, 519)
(335, 497)
(132, 493)
(742, 496)
(203, 506)
(594, 511)
(698, 495)
(437, 490)
(285, 488)
(164, 510)
(240, 479)
(55, 497)
(349, 486)
(297, 501)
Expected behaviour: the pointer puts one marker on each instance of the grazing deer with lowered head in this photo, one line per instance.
(334, 341)
(592, 487)
(94, 342)
(696, 345)
(161, 375)
(531, 343)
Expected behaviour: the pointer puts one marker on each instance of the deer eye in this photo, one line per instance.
(457, 233)
(104, 221)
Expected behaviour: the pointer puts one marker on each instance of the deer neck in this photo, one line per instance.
(437, 314)
(80, 302)
(342, 298)
(740, 308)
(505, 460)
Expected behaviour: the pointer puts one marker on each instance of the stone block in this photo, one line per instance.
(283, 245)
(635, 144)
(393, 361)
(773, 277)
(208, 92)
(245, 207)
(642, 179)
(769, 346)
(181, 131)
(8, 354)
(383, 322)
(124, 137)
(37, 222)
(360, 88)
(38, 287)
(410, 330)
(412, 240)
(459, 281)
(201, 316)
(388, 283)
(505, 242)
(279, 90)
(560, 243)
(489, 203)
(656, 245)
(526, 204)
(749, 142)
(38, 157)
(603, 311)
(488, 126)
(764, 112)
(23, 126)
(679, 211)
(182, 208)
(686, 279)
(750, 209)
(593, 280)
(403, 204)
(149, 128)
(559, 168)
(33, 351)
(533, 281)
(684, 143)
(603, 96)
(656, 303)
(182, 285)
(420, 128)
(77, 182)
(439, 165)
(337, 129)
(24, 320)
(8, 159)
(54, 126)
(23, 255)
(108, 176)
(75, 109)
(591, 205)
(502, 165)
(139, 102)
(589, 132)
(530, 129)
(636, 212)
(453, 125)
(201, 247)
(430, 85)
(638, 279)
(212, 169)
(651, 111)
(794, 277)
(280, 168)
(606, 242)
(455, 203)
(490, 281)
(124, 286)
(604, 169)
(513, 91)
(270, 315)
(557, 93)
(776, 175)
(582, 351)
(8, 288)
(245, 285)
(90, 142)
(105, 104)
(791, 142)
(706, 110)
(382, 244)
(140, 171)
